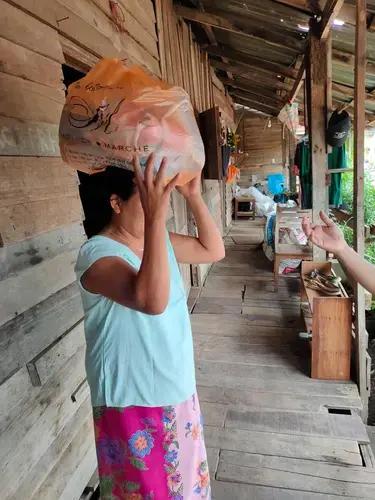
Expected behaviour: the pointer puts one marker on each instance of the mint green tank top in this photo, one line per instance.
(134, 358)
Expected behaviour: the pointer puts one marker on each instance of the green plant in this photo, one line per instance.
(232, 140)
(369, 196)
(348, 232)
(370, 253)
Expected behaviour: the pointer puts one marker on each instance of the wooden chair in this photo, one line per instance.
(290, 218)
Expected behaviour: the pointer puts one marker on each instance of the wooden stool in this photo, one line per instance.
(238, 213)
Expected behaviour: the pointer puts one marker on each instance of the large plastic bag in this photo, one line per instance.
(115, 112)
(264, 205)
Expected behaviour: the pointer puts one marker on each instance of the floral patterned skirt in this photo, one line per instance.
(152, 453)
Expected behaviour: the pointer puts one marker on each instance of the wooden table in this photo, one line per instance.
(244, 199)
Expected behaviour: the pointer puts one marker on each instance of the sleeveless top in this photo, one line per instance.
(134, 358)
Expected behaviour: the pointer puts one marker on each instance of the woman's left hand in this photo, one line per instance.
(192, 188)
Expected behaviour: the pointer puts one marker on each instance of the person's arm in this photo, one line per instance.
(148, 290)
(331, 239)
(208, 247)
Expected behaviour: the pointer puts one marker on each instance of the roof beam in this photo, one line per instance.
(251, 61)
(308, 6)
(330, 12)
(349, 92)
(298, 82)
(265, 101)
(248, 73)
(210, 33)
(248, 86)
(348, 60)
(233, 25)
(255, 105)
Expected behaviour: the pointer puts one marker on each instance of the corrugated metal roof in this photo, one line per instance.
(283, 26)
(256, 48)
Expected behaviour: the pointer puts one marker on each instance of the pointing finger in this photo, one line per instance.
(327, 221)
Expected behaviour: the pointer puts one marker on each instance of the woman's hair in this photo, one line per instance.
(96, 190)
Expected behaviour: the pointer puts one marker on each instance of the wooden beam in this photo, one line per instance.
(349, 92)
(250, 74)
(298, 82)
(249, 86)
(232, 23)
(336, 103)
(306, 6)
(210, 33)
(251, 61)
(256, 105)
(347, 12)
(328, 82)
(361, 342)
(347, 59)
(330, 12)
(317, 126)
(266, 101)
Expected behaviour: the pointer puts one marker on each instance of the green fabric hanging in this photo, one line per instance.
(336, 159)
(304, 165)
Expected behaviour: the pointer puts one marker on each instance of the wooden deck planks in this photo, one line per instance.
(274, 401)
(320, 449)
(307, 424)
(267, 426)
(295, 474)
(225, 490)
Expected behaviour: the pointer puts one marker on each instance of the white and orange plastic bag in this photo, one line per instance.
(115, 112)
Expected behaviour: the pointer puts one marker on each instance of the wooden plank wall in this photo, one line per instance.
(183, 63)
(46, 436)
(223, 100)
(264, 146)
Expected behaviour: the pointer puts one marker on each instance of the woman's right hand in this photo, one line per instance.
(154, 192)
(328, 237)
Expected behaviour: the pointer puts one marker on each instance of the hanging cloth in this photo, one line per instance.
(336, 159)
(303, 161)
(225, 157)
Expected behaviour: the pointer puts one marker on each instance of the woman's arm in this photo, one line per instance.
(331, 239)
(208, 247)
(148, 290)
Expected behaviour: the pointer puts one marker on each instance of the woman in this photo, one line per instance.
(330, 238)
(139, 360)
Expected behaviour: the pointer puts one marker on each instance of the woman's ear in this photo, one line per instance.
(115, 203)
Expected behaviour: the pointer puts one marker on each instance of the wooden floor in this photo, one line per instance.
(268, 428)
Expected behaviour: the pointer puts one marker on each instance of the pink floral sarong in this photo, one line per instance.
(152, 453)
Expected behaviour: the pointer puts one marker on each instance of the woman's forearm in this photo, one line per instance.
(153, 281)
(361, 270)
(208, 233)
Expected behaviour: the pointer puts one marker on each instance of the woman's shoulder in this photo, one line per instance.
(96, 248)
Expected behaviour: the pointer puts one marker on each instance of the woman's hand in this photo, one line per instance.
(191, 189)
(154, 192)
(328, 237)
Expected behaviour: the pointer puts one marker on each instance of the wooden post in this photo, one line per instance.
(359, 223)
(329, 82)
(317, 82)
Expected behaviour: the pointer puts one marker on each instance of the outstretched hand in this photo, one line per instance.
(328, 237)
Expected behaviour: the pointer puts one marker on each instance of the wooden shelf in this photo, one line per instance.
(307, 316)
(329, 319)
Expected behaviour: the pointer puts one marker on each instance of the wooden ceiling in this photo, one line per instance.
(257, 46)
